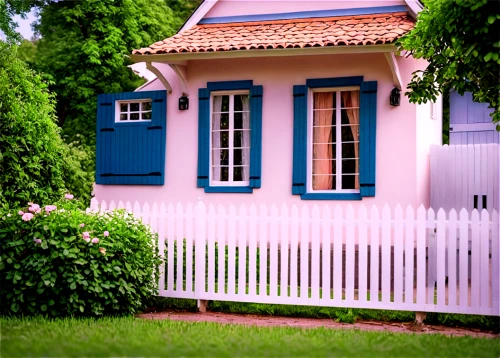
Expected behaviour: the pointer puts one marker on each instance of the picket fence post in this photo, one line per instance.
(200, 242)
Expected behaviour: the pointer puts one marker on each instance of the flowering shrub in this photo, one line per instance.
(60, 260)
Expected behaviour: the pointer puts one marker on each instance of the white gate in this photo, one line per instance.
(465, 176)
(313, 256)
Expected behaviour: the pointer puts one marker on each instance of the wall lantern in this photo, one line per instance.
(395, 97)
(183, 103)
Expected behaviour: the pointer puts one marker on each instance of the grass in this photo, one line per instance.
(346, 315)
(132, 337)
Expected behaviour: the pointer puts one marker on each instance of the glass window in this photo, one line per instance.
(230, 139)
(335, 140)
(134, 111)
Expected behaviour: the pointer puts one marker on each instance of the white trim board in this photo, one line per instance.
(169, 57)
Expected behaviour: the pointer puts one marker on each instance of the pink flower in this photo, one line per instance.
(69, 196)
(35, 208)
(86, 235)
(106, 233)
(49, 208)
(21, 212)
(27, 217)
(37, 241)
(87, 239)
(95, 240)
(102, 250)
(82, 225)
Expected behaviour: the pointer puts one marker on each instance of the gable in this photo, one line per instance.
(227, 8)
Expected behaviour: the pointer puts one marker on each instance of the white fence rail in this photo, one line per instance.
(383, 259)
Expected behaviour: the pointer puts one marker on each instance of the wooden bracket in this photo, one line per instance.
(157, 72)
(393, 64)
(181, 72)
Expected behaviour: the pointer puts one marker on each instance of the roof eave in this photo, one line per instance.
(330, 50)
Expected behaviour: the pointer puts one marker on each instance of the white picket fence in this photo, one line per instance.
(383, 259)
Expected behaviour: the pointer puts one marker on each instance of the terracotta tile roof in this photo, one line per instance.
(295, 33)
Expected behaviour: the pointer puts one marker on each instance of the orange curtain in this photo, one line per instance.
(351, 99)
(322, 135)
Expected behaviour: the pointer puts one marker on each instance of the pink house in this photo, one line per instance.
(271, 102)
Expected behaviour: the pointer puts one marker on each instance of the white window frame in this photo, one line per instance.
(338, 128)
(140, 101)
(230, 182)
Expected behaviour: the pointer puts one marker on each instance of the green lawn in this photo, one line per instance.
(135, 337)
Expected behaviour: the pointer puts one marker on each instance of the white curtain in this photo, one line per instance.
(245, 139)
(216, 107)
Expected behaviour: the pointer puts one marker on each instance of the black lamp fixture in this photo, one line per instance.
(395, 98)
(183, 103)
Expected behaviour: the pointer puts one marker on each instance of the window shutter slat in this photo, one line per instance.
(203, 137)
(299, 176)
(367, 128)
(256, 136)
(127, 152)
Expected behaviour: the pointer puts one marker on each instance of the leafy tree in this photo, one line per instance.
(183, 9)
(35, 163)
(460, 40)
(27, 51)
(9, 8)
(84, 50)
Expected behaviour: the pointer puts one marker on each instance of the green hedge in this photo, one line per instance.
(61, 260)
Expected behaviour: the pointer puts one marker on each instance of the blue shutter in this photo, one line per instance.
(299, 176)
(367, 145)
(256, 136)
(131, 152)
(203, 136)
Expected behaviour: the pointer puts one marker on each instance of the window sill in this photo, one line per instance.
(331, 196)
(229, 189)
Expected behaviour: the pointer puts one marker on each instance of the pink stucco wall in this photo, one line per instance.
(252, 7)
(400, 158)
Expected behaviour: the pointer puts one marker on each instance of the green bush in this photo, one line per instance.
(35, 163)
(61, 260)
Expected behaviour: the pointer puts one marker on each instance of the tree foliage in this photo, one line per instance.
(35, 163)
(461, 41)
(182, 9)
(84, 50)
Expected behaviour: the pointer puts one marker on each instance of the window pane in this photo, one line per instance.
(324, 182)
(224, 174)
(241, 157)
(224, 139)
(324, 135)
(350, 182)
(241, 139)
(146, 106)
(220, 121)
(123, 107)
(241, 102)
(350, 150)
(134, 107)
(220, 157)
(134, 116)
(324, 117)
(324, 151)
(350, 166)
(146, 115)
(324, 100)
(238, 174)
(350, 133)
(123, 117)
(349, 99)
(238, 120)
